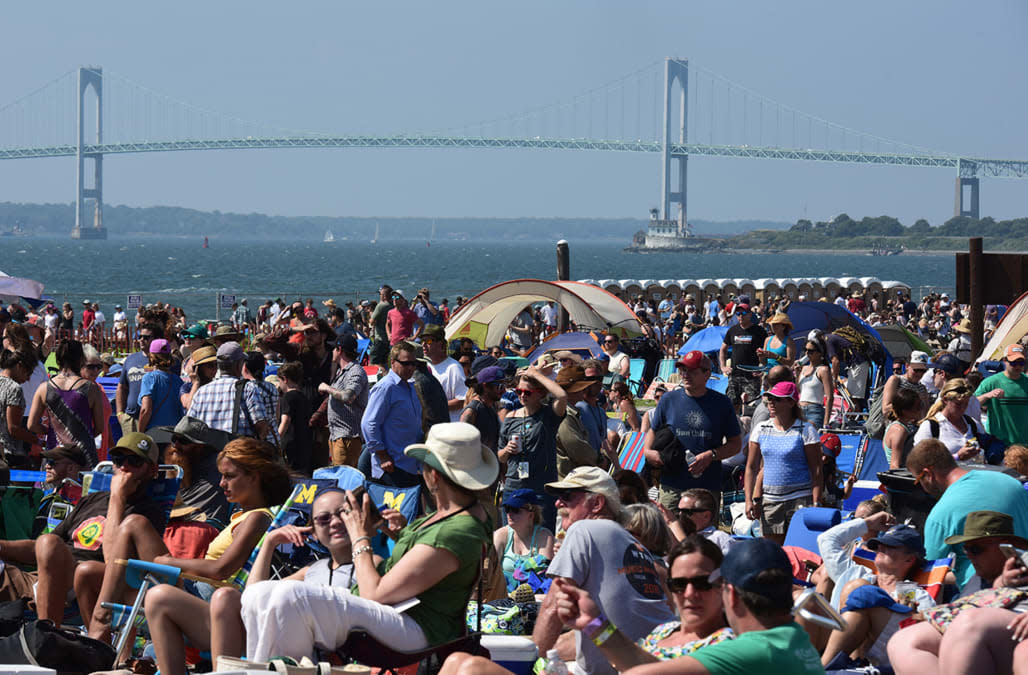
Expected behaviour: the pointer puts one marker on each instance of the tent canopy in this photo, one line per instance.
(12, 288)
(1011, 328)
(485, 318)
(900, 342)
(827, 317)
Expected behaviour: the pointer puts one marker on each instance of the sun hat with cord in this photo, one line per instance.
(455, 449)
(782, 318)
(205, 355)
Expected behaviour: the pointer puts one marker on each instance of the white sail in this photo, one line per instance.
(329, 237)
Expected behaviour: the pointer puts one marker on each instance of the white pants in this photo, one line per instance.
(290, 618)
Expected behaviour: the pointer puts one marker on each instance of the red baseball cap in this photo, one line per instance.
(830, 444)
(694, 359)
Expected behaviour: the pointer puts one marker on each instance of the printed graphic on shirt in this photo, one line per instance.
(89, 534)
(743, 339)
(638, 568)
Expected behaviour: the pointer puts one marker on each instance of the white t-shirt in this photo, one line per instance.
(550, 315)
(949, 435)
(119, 316)
(617, 361)
(50, 321)
(451, 375)
(100, 318)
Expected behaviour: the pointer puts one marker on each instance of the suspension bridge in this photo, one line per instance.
(668, 108)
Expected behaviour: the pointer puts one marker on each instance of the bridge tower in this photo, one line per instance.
(89, 77)
(967, 176)
(673, 187)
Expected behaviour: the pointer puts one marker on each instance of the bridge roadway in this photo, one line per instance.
(968, 167)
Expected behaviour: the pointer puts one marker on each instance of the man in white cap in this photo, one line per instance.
(599, 555)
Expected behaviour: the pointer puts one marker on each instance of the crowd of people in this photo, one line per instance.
(518, 462)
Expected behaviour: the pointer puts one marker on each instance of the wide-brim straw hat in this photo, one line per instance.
(964, 326)
(456, 450)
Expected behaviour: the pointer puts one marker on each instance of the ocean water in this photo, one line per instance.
(181, 272)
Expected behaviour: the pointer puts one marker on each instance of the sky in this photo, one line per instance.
(939, 74)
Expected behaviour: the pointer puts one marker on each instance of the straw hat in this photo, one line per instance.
(329, 303)
(782, 318)
(456, 449)
(964, 326)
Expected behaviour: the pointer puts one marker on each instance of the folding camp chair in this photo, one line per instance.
(636, 372)
(630, 452)
(931, 576)
(666, 369)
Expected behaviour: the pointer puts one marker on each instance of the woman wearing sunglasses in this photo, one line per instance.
(694, 562)
(522, 538)
(252, 477)
(947, 420)
(528, 437)
(817, 392)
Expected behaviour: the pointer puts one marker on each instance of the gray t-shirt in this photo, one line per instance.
(620, 575)
(320, 572)
(10, 395)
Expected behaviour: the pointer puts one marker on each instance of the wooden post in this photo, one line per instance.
(563, 274)
(975, 271)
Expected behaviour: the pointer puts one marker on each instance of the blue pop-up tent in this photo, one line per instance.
(706, 340)
(827, 317)
(583, 344)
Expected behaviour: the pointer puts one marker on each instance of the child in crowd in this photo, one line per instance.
(294, 427)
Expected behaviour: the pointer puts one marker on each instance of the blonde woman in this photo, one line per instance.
(948, 421)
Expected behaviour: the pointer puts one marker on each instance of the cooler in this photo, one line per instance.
(907, 501)
(513, 652)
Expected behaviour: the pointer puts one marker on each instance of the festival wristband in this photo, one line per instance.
(360, 539)
(595, 627)
(604, 635)
(362, 549)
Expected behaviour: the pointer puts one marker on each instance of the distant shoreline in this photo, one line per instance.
(835, 251)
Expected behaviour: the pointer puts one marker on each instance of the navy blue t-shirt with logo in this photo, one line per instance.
(700, 424)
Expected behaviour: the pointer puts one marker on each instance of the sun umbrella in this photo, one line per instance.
(708, 339)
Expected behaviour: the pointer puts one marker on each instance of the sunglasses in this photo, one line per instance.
(972, 548)
(565, 496)
(324, 519)
(145, 337)
(526, 392)
(406, 363)
(93, 366)
(514, 509)
(134, 461)
(679, 584)
(689, 512)
(812, 351)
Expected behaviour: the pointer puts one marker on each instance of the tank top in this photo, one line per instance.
(511, 559)
(908, 444)
(71, 419)
(812, 389)
(781, 350)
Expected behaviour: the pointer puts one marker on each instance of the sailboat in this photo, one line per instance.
(206, 244)
(431, 237)
(329, 237)
(375, 240)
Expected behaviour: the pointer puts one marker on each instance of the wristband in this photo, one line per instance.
(605, 634)
(360, 539)
(362, 549)
(594, 627)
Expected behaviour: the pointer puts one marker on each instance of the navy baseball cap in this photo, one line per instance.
(482, 362)
(521, 498)
(901, 536)
(747, 558)
(948, 363)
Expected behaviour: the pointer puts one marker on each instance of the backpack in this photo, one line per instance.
(876, 423)
(41, 643)
(862, 344)
(990, 445)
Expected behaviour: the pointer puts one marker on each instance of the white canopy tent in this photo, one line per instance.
(1012, 327)
(486, 316)
(13, 288)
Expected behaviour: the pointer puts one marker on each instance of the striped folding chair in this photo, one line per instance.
(630, 452)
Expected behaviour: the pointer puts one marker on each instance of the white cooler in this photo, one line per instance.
(516, 653)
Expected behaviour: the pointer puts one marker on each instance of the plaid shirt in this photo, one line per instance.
(269, 397)
(213, 403)
(344, 419)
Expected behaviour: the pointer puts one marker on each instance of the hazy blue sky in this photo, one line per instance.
(940, 74)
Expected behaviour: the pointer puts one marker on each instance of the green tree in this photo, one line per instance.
(922, 226)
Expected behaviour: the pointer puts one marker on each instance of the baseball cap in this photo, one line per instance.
(160, 346)
(197, 330)
(902, 536)
(747, 558)
(1014, 352)
(782, 390)
(67, 451)
(919, 358)
(830, 444)
(489, 375)
(433, 331)
(948, 363)
(230, 352)
(572, 378)
(741, 307)
(522, 497)
(694, 359)
(347, 343)
(591, 479)
(140, 444)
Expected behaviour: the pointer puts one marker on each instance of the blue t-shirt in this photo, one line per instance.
(428, 317)
(786, 472)
(132, 377)
(595, 422)
(978, 490)
(700, 424)
(163, 389)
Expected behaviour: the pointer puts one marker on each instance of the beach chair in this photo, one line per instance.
(666, 369)
(807, 523)
(931, 576)
(636, 372)
(630, 452)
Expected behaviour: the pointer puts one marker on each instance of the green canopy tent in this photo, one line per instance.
(901, 342)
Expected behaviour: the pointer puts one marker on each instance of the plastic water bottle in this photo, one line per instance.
(554, 664)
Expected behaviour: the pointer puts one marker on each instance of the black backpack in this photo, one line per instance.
(41, 643)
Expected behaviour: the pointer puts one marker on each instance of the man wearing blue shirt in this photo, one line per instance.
(704, 423)
(427, 310)
(392, 421)
(126, 398)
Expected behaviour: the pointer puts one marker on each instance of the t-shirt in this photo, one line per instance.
(401, 324)
(549, 313)
(320, 572)
(441, 612)
(617, 362)
(427, 316)
(536, 464)
(163, 389)
(83, 529)
(595, 420)
(450, 374)
(132, 372)
(378, 318)
(487, 421)
(950, 436)
(744, 343)
(296, 441)
(10, 395)
(700, 424)
(1008, 416)
(620, 575)
(522, 321)
(775, 651)
(207, 498)
(786, 474)
(977, 490)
